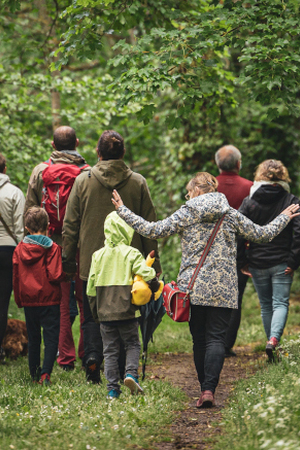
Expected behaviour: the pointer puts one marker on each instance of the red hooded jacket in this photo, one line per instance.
(37, 272)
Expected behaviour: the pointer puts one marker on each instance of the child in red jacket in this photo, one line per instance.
(37, 272)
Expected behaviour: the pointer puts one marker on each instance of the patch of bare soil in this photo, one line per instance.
(193, 428)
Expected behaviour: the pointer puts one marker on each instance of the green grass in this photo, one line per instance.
(74, 414)
(264, 412)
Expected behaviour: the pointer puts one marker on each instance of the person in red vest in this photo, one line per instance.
(65, 163)
(235, 188)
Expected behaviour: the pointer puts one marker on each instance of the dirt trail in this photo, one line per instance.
(193, 429)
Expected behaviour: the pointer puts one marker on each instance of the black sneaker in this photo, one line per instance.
(92, 371)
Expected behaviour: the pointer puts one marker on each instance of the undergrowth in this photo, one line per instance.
(264, 411)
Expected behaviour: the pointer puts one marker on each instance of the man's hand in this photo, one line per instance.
(117, 201)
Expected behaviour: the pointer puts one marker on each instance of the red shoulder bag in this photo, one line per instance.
(176, 302)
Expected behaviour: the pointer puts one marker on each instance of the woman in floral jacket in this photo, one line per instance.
(215, 290)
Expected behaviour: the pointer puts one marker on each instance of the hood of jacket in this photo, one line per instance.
(268, 193)
(34, 247)
(3, 179)
(112, 174)
(117, 231)
(210, 207)
(67, 157)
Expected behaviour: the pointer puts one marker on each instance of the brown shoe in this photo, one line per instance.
(206, 400)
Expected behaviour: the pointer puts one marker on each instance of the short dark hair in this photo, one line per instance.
(2, 163)
(36, 219)
(64, 138)
(111, 145)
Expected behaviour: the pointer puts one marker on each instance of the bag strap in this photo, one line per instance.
(8, 230)
(204, 254)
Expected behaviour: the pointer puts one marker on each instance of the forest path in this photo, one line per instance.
(193, 428)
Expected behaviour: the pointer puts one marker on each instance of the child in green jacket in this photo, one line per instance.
(109, 289)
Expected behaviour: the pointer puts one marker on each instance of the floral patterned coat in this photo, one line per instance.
(216, 283)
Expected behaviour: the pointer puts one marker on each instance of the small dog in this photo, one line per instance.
(15, 341)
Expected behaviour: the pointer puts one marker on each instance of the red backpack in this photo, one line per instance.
(58, 181)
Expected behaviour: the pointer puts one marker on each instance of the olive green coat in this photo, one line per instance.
(89, 204)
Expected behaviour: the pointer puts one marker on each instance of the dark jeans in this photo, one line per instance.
(46, 317)
(235, 318)
(208, 326)
(6, 253)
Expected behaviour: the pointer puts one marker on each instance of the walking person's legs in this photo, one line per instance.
(92, 340)
(33, 325)
(50, 316)
(262, 281)
(111, 350)
(209, 360)
(217, 321)
(281, 285)
(235, 317)
(66, 345)
(197, 326)
(6, 253)
(129, 333)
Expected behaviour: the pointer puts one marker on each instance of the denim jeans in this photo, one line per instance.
(273, 290)
(46, 317)
(208, 326)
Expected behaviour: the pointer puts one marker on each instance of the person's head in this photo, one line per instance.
(202, 183)
(271, 170)
(110, 145)
(36, 220)
(64, 138)
(228, 159)
(2, 164)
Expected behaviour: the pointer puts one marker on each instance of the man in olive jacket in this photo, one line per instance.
(88, 205)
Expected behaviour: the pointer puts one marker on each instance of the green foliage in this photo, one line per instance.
(176, 78)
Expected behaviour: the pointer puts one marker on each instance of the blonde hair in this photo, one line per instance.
(203, 180)
(271, 170)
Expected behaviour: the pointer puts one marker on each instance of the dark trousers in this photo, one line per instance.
(208, 326)
(113, 337)
(46, 317)
(92, 340)
(235, 318)
(6, 253)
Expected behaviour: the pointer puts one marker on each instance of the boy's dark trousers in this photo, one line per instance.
(46, 317)
(112, 337)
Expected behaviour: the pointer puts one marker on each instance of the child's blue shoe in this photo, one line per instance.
(113, 394)
(132, 383)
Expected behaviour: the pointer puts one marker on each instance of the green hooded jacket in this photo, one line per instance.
(112, 271)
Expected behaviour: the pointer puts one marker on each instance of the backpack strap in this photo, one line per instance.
(8, 230)
(204, 254)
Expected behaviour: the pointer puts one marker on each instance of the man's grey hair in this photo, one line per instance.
(227, 157)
